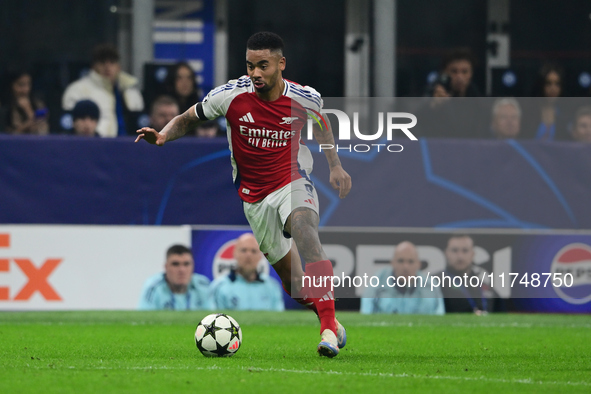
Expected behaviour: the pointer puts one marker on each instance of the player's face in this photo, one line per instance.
(582, 131)
(247, 254)
(460, 73)
(183, 82)
(406, 262)
(460, 253)
(179, 269)
(264, 68)
(162, 115)
(506, 122)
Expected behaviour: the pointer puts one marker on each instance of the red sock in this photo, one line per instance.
(321, 296)
(307, 303)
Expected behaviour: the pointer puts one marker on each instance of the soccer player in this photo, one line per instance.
(265, 115)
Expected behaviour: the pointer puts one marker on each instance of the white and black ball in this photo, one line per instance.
(218, 335)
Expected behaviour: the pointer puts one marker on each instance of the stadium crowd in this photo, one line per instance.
(454, 108)
(107, 96)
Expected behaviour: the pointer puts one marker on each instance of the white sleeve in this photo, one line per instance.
(211, 106)
(308, 98)
(317, 98)
(218, 100)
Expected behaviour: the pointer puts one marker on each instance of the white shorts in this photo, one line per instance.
(267, 217)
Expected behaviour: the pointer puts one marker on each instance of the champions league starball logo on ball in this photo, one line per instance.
(574, 259)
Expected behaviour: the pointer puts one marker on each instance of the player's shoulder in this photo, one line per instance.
(307, 95)
(240, 85)
(305, 89)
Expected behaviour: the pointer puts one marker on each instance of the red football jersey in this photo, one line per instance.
(264, 136)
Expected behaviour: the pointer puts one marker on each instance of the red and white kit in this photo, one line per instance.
(270, 162)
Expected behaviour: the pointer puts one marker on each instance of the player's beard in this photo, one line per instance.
(267, 87)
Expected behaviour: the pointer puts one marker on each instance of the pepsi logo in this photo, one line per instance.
(574, 259)
(224, 261)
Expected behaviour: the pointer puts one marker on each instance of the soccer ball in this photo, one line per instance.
(218, 335)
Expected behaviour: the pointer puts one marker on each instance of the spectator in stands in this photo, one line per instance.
(25, 113)
(181, 84)
(456, 76)
(178, 288)
(546, 118)
(460, 260)
(448, 114)
(209, 129)
(85, 116)
(164, 109)
(506, 118)
(582, 126)
(114, 91)
(244, 288)
(409, 299)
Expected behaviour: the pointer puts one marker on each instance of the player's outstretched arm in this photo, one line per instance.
(175, 129)
(339, 178)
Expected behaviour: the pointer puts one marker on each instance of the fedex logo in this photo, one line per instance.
(37, 276)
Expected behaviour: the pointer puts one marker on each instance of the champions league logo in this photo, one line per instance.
(574, 259)
(224, 261)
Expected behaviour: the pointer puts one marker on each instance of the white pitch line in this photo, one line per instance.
(471, 325)
(331, 372)
(482, 324)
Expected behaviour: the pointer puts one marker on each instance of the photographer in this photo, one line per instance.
(450, 113)
(455, 79)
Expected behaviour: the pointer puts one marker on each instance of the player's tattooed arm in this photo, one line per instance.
(179, 126)
(325, 137)
(175, 129)
(339, 179)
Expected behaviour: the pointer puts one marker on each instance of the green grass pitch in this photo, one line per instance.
(150, 352)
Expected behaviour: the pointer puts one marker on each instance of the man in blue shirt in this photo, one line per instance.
(178, 288)
(244, 288)
(399, 289)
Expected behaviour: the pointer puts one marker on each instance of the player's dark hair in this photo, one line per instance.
(105, 53)
(458, 54)
(177, 249)
(265, 40)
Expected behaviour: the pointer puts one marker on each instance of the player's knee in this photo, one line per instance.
(303, 231)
